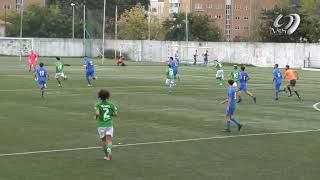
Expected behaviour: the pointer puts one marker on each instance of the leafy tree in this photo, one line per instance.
(202, 30)
(199, 28)
(43, 22)
(96, 8)
(133, 24)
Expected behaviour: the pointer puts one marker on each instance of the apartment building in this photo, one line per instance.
(157, 7)
(15, 5)
(176, 6)
(234, 17)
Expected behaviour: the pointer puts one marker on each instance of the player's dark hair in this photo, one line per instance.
(276, 65)
(287, 66)
(41, 64)
(171, 58)
(58, 58)
(243, 68)
(230, 82)
(103, 94)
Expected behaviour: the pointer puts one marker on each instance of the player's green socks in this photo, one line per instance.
(109, 148)
(105, 151)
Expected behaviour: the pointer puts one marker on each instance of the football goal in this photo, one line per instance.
(16, 46)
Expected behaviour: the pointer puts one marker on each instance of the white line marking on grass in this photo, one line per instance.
(315, 106)
(163, 142)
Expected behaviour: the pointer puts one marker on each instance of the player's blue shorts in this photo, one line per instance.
(243, 87)
(175, 72)
(90, 74)
(41, 82)
(231, 111)
(277, 85)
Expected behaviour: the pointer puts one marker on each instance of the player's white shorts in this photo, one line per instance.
(105, 131)
(220, 74)
(58, 75)
(169, 82)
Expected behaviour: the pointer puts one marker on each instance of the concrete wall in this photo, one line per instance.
(258, 54)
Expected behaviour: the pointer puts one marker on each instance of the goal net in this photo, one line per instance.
(15, 46)
(130, 51)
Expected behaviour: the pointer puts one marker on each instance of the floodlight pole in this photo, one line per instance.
(116, 33)
(72, 4)
(103, 29)
(5, 18)
(21, 22)
(187, 33)
(84, 29)
(149, 22)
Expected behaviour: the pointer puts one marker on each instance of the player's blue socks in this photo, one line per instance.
(42, 91)
(228, 124)
(235, 122)
(88, 80)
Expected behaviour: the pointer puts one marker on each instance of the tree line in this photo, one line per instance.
(55, 21)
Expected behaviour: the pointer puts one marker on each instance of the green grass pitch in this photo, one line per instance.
(148, 113)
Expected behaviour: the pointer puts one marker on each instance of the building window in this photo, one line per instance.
(246, 8)
(237, 7)
(198, 7)
(237, 27)
(246, 18)
(237, 17)
(209, 6)
(218, 6)
(218, 16)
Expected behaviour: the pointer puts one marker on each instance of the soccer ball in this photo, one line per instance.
(235, 84)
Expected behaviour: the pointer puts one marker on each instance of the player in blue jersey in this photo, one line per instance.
(175, 66)
(277, 80)
(41, 76)
(243, 79)
(90, 72)
(231, 107)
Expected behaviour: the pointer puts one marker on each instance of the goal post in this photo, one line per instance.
(11, 46)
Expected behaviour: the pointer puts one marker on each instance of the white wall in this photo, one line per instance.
(258, 54)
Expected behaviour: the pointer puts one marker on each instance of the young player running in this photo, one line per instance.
(220, 73)
(292, 76)
(105, 110)
(170, 77)
(243, 78)
(33, 58)
(235, 73)
(90, 72)
(231, 107)
(41, 76)
(277, 80)
(59, 71)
